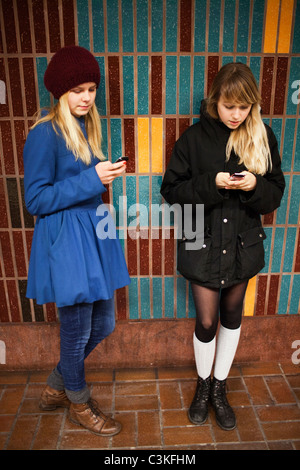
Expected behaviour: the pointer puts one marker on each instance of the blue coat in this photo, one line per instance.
(69, 263)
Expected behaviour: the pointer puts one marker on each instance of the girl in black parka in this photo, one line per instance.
(230, 138)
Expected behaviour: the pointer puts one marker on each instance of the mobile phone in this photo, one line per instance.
(237, 176)
(122, 159)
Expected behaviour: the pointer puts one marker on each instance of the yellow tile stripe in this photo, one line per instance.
(271, 26)
(250, 297)
(143, 145)
(285, 28)
(157, 145)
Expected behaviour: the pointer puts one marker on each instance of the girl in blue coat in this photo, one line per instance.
(73, 262)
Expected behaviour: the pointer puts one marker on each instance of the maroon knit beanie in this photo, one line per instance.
(69, 67)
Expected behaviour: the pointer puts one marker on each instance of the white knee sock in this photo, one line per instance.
(204, 356)
(227, 344)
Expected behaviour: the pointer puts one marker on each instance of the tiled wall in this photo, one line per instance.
(157, 59)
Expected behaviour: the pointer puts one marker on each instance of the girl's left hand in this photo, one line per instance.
(245, 184)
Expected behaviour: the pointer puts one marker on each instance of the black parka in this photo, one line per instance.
(233, 235)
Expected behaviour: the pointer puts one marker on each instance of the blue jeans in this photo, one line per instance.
(82, 327)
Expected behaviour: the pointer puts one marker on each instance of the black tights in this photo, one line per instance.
(208, 302)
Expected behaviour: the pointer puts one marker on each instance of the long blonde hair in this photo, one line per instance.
(236, 84)
(63, 120)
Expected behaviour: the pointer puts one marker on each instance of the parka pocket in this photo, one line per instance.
(250, 252)
(194, 264)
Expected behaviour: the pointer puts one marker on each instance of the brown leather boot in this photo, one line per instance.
(51, 399)
(91, 418)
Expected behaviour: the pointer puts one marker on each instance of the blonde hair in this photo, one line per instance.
(63, 120)
(236, 84)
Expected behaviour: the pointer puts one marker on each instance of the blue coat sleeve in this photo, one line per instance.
(43, 194)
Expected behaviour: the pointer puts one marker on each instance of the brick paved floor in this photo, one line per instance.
(152, 406)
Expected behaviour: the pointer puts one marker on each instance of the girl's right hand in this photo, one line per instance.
(222, 180)
(108, 171)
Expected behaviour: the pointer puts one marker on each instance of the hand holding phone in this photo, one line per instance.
(122, 159)
(237, 176)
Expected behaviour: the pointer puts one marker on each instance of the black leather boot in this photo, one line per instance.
(224, 413)
(198, 410)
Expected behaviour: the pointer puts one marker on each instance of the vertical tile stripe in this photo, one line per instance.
(134, 299)
(228, 26)
(142, 25)
(250, 297)
(9, 26)
(157, 294)
(171, 25)
(214, 26)
(257, 25)
(169, 297)
(132, 256)
(24, 27)
(145, 298)
(157, 144)
(129, 138)
(277, 252)
(285, 26)
(295, 298)
(171, 85)
(101, 92)
(121, 304)
(28, 70)
(290, 249)
(128, 85)
(297, 258)
(282, 66)
(185, 85)
(261, 295)
(213, 67)
(293, 90)
(268, 66)
(287, 151)
(157, 257)
(157, 25)
(295, 198)
(114, 84)
(243, 26)
(127, 26)
(53, 23)
(273, 293)
(185, 25)
(68, 22)
(284, 294)
(296, 38)
(39, 26)
(199, 25)
(112, 25)
(170, 138)
(44, 95)
(143, 84)
(143, 145)
(98, 26)
(198, 83)
(144, 258)
(156, 85)
(271, 25)
(169, 258)
(116, 138)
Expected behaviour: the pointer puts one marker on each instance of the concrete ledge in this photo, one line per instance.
(146, 343)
